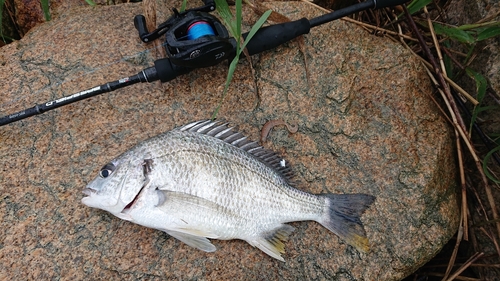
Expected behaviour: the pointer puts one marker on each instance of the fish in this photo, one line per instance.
(205, 180)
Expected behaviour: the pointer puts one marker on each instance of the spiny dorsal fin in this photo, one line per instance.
(222, 131)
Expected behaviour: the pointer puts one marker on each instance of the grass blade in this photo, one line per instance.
(232, 68)
(488, 32)
(479, 25)
(226, 15)
(238, 23)
(481, 85)
(45, 9)
(183, 6)
(234, 63)
(485, 164)
(416, 6)
(256, 27)
(90, 2)
(454, 33)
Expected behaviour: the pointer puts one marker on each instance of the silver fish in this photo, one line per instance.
(205, 180)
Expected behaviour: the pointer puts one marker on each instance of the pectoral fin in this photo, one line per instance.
(173, 199)
(190, 212)
(199, 242)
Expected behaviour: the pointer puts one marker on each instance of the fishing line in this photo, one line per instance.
(199, 29)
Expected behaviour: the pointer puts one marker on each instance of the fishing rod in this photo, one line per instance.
(196, 39)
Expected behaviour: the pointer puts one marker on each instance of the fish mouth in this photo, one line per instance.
(89, 191)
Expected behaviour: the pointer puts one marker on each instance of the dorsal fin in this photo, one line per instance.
(222, 131)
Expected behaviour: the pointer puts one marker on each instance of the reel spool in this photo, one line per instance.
(199, 29)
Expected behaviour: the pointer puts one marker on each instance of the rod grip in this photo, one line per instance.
(272, 36)
(167, 71)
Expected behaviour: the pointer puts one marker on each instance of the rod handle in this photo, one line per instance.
(272, 36)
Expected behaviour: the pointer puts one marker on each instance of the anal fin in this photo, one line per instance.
(272, 243)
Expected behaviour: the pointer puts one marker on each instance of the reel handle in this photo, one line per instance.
(140, 25)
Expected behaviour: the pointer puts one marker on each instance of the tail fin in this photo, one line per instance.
(343, 217)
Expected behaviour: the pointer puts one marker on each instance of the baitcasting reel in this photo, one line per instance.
(193, 38)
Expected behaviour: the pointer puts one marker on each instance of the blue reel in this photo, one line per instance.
(200, 29)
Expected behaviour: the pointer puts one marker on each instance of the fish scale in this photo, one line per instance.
(260, 188)
(224, 194)
(206, 180)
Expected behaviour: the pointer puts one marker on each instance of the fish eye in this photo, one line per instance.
(107, 170)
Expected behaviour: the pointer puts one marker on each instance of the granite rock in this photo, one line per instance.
(366, 124)
(26, 14)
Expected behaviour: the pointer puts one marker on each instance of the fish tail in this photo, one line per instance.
(342, 217)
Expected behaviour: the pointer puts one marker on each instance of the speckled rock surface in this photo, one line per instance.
(366, 124)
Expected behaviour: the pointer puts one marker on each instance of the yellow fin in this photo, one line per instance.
(272, 243)
(359, 242)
